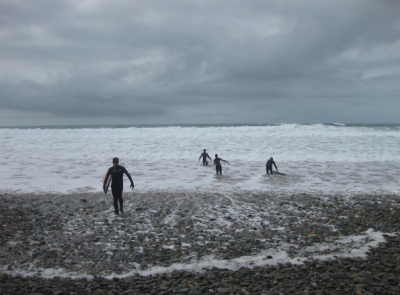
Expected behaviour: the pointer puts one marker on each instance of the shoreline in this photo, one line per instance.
(234, 238)
(376, 275)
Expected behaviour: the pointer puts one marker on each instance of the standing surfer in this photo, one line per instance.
(217, 163)
(271, 162)
(205, 156)
(117, 185)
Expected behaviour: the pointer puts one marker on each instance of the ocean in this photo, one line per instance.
(316, 158)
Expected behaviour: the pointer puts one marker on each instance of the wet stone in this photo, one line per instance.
(223, 290)
(96, 244)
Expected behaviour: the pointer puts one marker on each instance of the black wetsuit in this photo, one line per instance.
(218, 167)
(205, 156)
(117, 185)
(269, 166)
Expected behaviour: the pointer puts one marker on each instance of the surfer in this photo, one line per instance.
(271, 162)
(117, 185)
(217, 163)
(205, 156)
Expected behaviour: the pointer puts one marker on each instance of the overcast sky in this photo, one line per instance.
(217, 61)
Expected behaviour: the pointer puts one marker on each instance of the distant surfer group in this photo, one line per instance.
(115, 175)
(218, 167)
(217, 161)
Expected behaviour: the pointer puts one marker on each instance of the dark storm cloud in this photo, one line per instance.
(196, 61)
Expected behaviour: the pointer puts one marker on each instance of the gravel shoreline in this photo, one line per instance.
(200, 243)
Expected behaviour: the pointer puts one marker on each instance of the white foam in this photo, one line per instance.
(209, 262)
(350, 247)
(46, 273)
(315, 158)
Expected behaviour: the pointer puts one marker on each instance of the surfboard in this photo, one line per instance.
(106, 183)
(279, 173)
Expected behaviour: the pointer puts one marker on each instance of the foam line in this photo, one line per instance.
(356, 247)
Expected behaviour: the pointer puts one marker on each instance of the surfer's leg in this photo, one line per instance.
(219, 169)
(116, 205)
(114, 193)
(121, 204)
(117, 195)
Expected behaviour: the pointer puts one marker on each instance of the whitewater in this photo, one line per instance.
(315, 158)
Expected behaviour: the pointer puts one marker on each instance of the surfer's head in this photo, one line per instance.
(204, 150)
(115, 160)
(216, 155)
(271, 158)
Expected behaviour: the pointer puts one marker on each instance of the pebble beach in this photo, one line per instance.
(200, 243)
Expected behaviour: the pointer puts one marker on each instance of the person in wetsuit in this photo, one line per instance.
(117, 184)
(205, 156)
(217, 163)
(271, 162)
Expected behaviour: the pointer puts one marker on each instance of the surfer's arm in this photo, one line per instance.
(130, 178)
(275, 167)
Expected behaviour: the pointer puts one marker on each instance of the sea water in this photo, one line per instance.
(319, 158)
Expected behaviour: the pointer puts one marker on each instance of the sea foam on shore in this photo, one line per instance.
(79, 236)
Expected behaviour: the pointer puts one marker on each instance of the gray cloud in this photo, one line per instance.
(198, 61)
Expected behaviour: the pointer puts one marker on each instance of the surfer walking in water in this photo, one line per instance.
(271, 162)
(217, 163)
(205, 156)
(117, 184)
